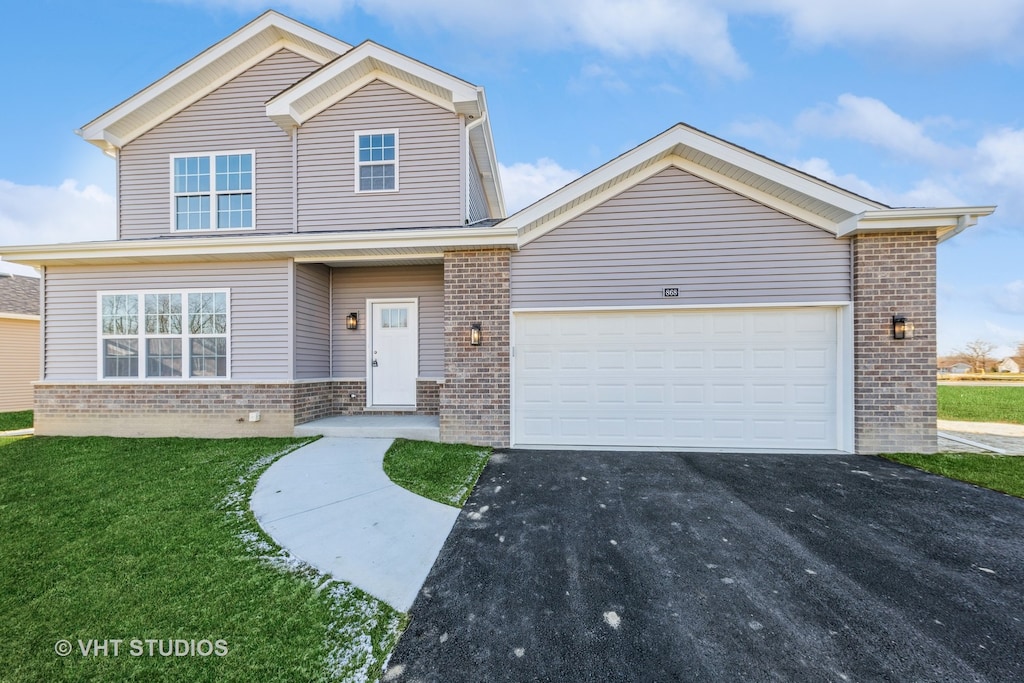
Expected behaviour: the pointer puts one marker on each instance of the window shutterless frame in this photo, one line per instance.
(376, 154)
(199, 182)
(133, 334)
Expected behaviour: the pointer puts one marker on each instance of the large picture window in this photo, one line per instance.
(166, 334)
(213, 191)
(377, 161)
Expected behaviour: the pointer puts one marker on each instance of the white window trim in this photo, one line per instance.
(213, 191)
(141, 336)
(358, 164)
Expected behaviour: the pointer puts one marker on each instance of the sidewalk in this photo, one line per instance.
(331, 505)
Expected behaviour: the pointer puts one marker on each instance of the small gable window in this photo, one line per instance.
(213, 191)
(377, 161)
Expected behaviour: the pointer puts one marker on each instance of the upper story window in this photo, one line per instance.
(166, 334)
(377, 161)
(213, 191)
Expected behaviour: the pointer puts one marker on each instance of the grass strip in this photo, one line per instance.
(21, 419)
(153, 539)
(997, 472)
(442, 472)
(982, 404)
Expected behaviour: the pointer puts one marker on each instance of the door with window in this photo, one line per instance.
(393, 356)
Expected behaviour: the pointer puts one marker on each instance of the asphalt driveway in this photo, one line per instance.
(708, 567)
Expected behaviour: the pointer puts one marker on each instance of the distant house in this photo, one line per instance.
(19, 341)
(1008, 365)
(959, 369)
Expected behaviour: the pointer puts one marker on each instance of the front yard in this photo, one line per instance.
(150, 542)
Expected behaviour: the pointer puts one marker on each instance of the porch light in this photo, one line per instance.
(901, 329)
(352, 321)
(475, 334)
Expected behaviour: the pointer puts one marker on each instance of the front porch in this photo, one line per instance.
(419, 427)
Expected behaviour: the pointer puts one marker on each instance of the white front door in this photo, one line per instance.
(393, 353)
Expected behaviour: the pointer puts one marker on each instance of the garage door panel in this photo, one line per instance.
(687, 379)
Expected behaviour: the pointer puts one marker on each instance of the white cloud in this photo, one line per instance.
(695, 29)
(603, 76)
(1010, 297)
(925, 28)
(38, 214)
(525, 183)
(1000, 158)
(872, 121)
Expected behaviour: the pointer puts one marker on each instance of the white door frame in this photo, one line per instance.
(844, 357)
(370, 303)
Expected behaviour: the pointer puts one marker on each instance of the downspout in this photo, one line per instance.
(295, 179)
(469, 127)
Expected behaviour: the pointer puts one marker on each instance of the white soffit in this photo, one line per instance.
(361, 65)
(751, 175)
(946, 222)
(246, 47)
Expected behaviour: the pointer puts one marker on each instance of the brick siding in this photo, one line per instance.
(474, 400)
(350, 399)
(894, 380)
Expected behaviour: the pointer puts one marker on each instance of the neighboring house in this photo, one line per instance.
(307, 228)
(1008, 365)
(959, 368)
(19, 341)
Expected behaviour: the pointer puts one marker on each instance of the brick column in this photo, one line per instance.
(474, 401)
(894, 380)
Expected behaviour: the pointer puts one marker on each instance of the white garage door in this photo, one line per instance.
(709, 379)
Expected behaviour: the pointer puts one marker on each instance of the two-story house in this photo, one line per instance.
(306, 228)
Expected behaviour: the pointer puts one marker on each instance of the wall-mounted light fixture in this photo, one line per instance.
(475, 334)
(901, 329)
(352, 321)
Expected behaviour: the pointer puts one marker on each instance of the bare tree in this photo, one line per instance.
(977, 354)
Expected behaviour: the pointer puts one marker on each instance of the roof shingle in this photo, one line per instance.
(19, 294)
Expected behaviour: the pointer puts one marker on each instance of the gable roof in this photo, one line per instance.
(19, 296)
(370, 62)
(212, 68)
(747, 173)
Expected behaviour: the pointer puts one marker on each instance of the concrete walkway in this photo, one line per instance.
(331, 505)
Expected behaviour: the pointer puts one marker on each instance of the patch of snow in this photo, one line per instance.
(519, 652)
(726, 580)
(497, 489)
(711, 566)
(811, 572)
(444, 637)
(755, 625)
(612, 619)
(861, 472)
(986, 570)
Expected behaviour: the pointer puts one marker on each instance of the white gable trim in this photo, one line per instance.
(208, 71)
(331, 84)
(672, 148)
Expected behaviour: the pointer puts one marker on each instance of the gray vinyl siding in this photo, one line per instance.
(233, 117)
(259, 305)
(430, 174)
(677, 230)
(312, 322)
(477, 199)
(353, 286)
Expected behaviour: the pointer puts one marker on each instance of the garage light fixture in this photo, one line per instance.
(352, 321)
(475, 334)
(901, 329)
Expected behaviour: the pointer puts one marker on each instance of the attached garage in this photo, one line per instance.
(718, 379)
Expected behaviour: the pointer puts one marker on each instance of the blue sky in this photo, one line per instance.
(913, 103)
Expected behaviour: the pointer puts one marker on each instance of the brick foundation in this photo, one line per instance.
(475, 398)
(312, 401)
(216, 410)
(350, 398)
(894, 380)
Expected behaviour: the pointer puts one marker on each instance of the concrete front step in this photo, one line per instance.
(418, 427)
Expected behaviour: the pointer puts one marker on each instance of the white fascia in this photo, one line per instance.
(284, 111)
(286, 31)
(947, 222)
(306, 247)
(706, 144)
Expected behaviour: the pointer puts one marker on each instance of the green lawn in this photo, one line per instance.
(438, 471)
(998, 472)
(982, 404)
(18, 420)
(153, 539)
